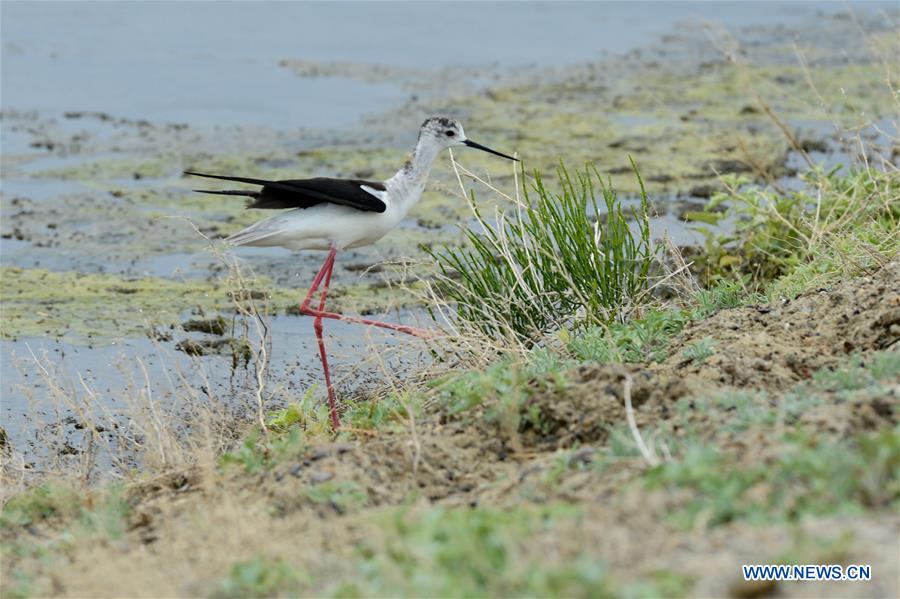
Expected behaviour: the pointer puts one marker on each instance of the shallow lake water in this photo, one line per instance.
(215, 64)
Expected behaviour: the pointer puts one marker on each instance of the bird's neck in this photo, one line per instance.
(409, 182)
(423, 156)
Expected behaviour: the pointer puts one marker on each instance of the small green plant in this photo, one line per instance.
(475, 553)
(726, 293)
(249, 454)
(342, 495)
(699, 351)
(556, 262)
(809, 476)
(258, 577)
(885, 365)
(841, 222)
(857, 374)
(21, 586)
(503, 389)
(309, 414)
(255, 455)
(661, 583)
(641, 340)
(109, 514)
(377, 412)
(39, 503)
(746, 409)
(283, 419)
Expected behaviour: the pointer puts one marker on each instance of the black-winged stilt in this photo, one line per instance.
(336, 214)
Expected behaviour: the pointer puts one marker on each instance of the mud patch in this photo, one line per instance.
(773, 347)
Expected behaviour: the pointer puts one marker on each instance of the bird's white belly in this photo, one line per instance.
(325, 225)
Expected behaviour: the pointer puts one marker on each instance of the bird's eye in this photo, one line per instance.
(449, 133)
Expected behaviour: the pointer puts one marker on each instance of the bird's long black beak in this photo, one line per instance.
(472, 144)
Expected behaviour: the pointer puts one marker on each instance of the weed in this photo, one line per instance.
(793, 404)
(258, 577)
(532, 273)
(807, 477)
(283, 419)
(473, 553)
(249, 454)
(748, 409)
(39, 503)
(809, 548)
(595, 345)
(342, 495)
(699, 351)
(856, 374)
(21, 586)
(377, 412)
(255, 455)
(727, 293)
(739, 410)
(884, 366)
(308, 413)
(109, 515)
(462, 392)
(620, 444)
(842, 222)
(562, 462)
(641, 340)
(660, 583)
(503, 391)
(546, 362)
(880, 482)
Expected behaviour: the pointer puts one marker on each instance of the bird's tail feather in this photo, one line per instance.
(230, 192)
(252, 235)
(229, 178)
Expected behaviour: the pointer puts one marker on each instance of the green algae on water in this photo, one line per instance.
(96, 307)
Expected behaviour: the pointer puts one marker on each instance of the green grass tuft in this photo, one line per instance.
(551, 264)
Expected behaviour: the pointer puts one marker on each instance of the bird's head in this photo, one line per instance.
(448, 133)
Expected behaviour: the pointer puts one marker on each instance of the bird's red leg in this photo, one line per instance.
(402, 328)
(317, 326)
(327, 266)
(320, 313)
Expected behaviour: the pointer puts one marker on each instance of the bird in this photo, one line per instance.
(330, 214)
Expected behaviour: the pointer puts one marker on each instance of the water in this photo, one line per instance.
(217, 63)
(108, 382)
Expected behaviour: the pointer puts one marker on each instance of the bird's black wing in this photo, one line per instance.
(303, 193)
